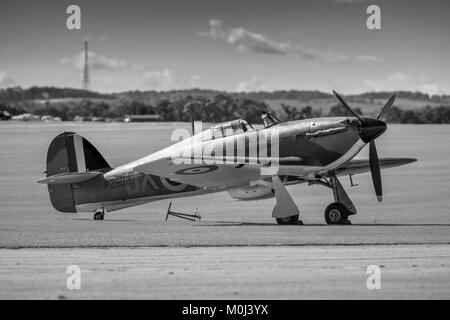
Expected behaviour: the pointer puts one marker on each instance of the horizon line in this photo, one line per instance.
(221, 91)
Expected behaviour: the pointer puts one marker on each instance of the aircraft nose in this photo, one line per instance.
(371, 129)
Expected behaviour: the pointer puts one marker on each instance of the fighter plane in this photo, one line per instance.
(226, 157)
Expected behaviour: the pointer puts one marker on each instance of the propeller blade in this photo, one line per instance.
(375, 170)
(347, 106)
(387, 107)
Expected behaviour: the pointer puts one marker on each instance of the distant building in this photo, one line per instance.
(48, 118)
(142, 118)
(98, 119)
(26, 117)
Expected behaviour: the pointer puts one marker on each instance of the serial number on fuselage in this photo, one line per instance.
(118, 182)
(138, 184)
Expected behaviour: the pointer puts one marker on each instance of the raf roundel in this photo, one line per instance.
(172, 185)
(197, 170)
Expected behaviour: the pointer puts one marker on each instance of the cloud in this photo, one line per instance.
(169, 80)
(401, 81)
(368, 58)
(247, 41)
(147, 79)
(5, 80)
(111, 74)
(431, 88)
(254, 84)
(98, 62)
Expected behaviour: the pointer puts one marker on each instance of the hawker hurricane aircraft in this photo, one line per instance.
(227, 157)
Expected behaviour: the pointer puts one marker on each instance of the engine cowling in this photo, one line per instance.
(251, 193)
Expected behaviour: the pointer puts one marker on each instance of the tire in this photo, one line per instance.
(336, 213)
(288, 220)
(99, 216)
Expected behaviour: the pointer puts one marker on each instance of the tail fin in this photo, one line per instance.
(70, 153)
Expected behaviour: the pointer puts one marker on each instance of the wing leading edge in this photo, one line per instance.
(357, 166)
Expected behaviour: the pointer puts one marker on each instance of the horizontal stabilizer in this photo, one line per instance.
(70, 177)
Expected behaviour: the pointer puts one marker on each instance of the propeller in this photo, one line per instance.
(387, 107)
(347, 106)
(375, 170)
(370, 129)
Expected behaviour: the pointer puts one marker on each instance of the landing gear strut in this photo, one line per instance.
(285, 211)
(99, 214)
(338, 212)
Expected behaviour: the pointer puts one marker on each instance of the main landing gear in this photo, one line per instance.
(338, 212)
(286, 212)
(99, 214)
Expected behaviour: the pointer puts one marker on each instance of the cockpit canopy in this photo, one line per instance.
(230, 128)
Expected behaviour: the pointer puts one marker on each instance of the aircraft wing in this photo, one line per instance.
(201, 174)
(357, 166)
(237, 173)
(220, 173)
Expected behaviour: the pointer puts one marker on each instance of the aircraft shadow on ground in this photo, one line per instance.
(273, 224)
(241, 224)
(106, 220)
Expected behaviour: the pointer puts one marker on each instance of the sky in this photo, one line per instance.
(228, 45)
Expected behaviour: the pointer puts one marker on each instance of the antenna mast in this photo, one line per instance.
(86, 82)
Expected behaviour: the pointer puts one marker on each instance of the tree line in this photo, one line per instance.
(16, 94)
(219, 108)
(425, 115)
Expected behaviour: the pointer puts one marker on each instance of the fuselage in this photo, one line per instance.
(315, 145)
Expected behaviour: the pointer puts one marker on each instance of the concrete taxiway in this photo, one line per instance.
(308, 272)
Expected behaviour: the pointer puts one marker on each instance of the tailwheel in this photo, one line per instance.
(292, 220)
(337, 213)
(99, 214)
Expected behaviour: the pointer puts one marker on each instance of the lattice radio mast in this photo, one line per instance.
(86, 82)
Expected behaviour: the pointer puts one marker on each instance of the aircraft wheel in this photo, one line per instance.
(289, 220)
(99, 215)
(336, 213)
